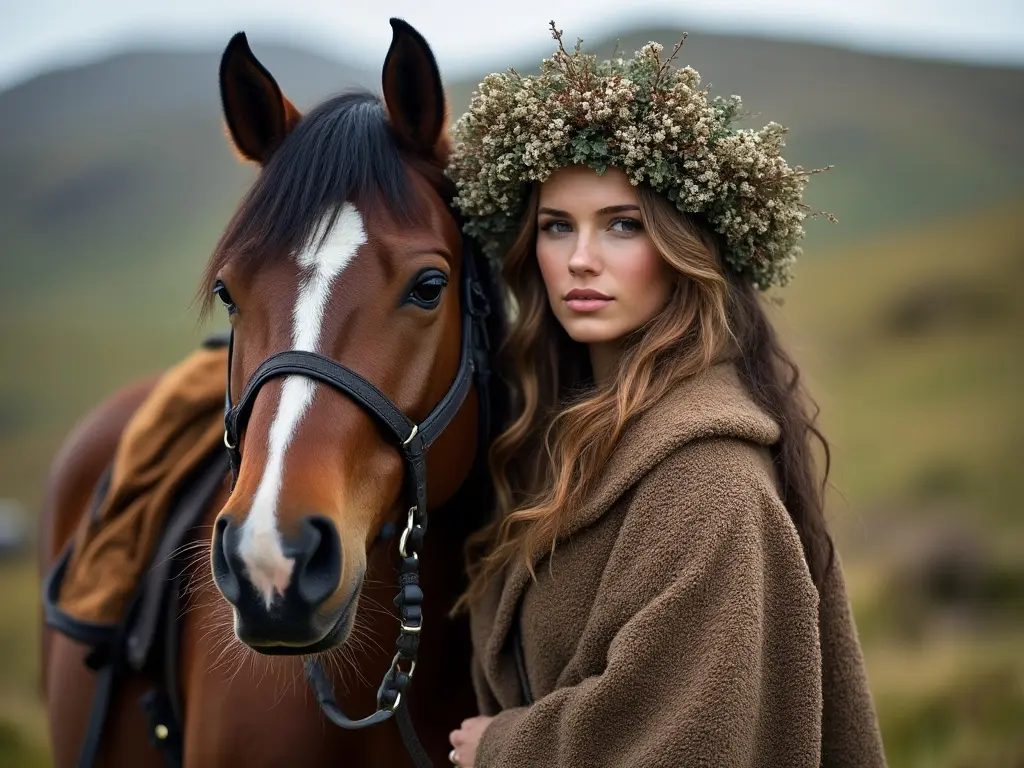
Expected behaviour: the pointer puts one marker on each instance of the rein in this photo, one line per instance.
(412, 441)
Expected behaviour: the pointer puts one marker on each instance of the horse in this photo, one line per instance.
(340, 274)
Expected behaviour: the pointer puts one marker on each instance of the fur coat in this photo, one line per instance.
(677, 623)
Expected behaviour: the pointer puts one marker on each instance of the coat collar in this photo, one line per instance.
(714, 403)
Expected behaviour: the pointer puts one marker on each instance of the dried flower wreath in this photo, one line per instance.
(655, 123)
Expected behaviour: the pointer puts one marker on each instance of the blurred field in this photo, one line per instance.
(906, 317)
(914, 348)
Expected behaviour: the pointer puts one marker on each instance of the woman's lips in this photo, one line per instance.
(579, 300)
(587, 305)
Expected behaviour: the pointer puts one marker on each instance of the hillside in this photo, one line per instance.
(912, 348)
(122, 164)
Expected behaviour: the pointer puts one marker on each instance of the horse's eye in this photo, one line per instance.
(221, 291)
(427, 291)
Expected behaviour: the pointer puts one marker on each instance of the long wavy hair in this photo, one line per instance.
(564, 425)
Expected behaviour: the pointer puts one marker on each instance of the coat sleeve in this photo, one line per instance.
(713, 657)
(485, 699)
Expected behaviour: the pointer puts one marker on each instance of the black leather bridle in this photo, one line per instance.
(412, 441)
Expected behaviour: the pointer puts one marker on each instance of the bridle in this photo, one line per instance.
(412, 441)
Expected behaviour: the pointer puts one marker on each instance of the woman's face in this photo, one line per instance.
(603, 275)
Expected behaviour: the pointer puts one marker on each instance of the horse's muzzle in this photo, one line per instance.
(283, 611)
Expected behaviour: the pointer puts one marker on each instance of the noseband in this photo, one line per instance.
(412, 440)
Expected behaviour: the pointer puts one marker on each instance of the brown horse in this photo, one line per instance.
(346, 248)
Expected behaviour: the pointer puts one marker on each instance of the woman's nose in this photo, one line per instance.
(584, 258)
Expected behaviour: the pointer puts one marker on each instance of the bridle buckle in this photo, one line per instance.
(404, 540)
(415, 431)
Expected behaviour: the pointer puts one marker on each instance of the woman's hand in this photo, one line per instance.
(465, 740)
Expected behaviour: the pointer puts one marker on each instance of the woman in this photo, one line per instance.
(658, 588)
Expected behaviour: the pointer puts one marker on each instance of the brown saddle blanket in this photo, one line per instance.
(174, 430)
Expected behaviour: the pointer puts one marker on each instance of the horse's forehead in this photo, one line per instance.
(330, 251)
(368, 234)
(424, 215)
(390, 236)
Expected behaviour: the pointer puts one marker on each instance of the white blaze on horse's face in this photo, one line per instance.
(261, 547)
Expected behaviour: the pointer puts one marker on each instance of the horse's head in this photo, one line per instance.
(345, 246)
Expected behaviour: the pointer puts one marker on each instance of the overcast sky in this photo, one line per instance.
(36, 35)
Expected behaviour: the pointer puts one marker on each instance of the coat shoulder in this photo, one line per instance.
(706, 496)
(724, 477)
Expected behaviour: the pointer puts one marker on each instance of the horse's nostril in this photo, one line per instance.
(313, 571)
(317, 555)
(223, 553)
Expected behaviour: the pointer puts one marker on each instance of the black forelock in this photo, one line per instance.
(343, 150)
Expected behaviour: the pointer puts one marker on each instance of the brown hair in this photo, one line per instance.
(564, 426)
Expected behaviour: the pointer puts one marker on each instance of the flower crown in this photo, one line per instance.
(653, 122)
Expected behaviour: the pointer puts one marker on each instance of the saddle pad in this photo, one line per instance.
(172, 432)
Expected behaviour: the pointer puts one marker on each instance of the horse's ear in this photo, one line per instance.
(258, 115)
(413, 91)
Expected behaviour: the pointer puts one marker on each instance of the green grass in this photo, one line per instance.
(22, 718)
(927, 426)
(946, 707)
(896, 406)
(18, 751)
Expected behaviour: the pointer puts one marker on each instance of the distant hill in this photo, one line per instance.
(122, 166)
(126, 160)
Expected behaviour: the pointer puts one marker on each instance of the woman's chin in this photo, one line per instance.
(593, 330)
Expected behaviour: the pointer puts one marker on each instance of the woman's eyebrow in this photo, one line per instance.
(555, 212)
(601, 212)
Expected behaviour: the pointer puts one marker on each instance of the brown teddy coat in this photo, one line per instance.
(677, 624)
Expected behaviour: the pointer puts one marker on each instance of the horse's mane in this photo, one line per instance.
(475, 500)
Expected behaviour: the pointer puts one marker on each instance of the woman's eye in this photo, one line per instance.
(556, 225)
(627, 225)
(225, 298)
(427, 292)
